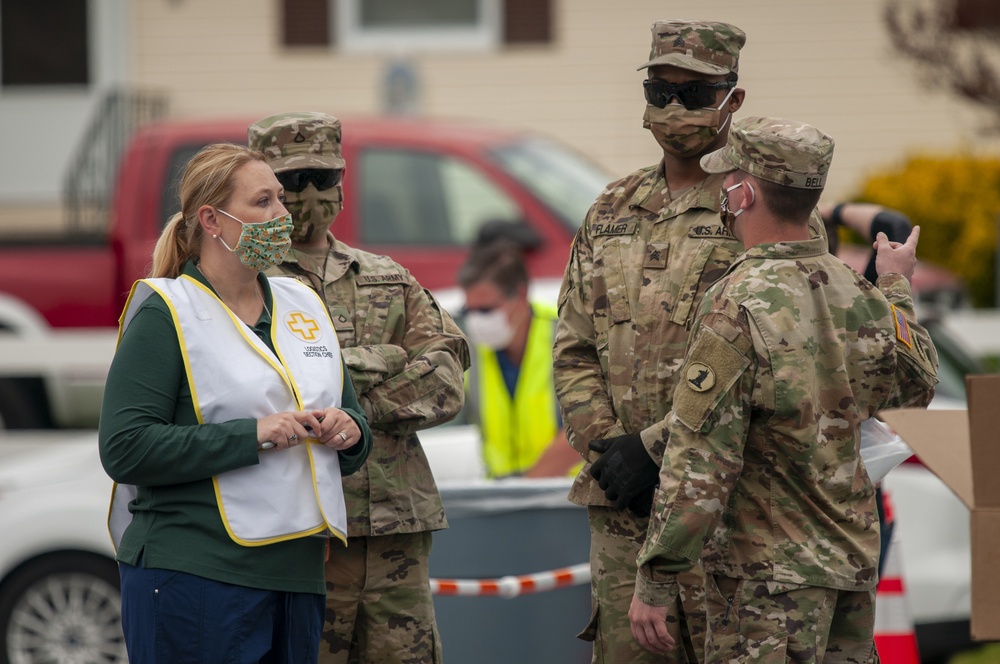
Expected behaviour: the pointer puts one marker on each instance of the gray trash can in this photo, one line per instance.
(509, 528)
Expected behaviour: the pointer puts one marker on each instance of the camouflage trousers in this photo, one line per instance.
(615, 539)
(379, 608)
(767, 622)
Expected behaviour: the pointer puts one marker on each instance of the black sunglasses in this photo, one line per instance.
(299, 179)
(693, 95)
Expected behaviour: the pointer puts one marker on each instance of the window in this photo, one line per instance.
(306, 22)
(562, 179)
(390, 25)
(44, 43)
(975, 15)
(374, 25)
(419, 198)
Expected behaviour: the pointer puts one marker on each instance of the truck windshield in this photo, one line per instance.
(562, 179)
(170, 204)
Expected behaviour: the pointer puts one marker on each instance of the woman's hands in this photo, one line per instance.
(337, 429)
(331, 427)
(283, 430)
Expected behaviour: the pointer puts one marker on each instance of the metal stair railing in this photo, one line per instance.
(89, 184)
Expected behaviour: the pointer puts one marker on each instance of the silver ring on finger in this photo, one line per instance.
(343, 436)
(294, 437)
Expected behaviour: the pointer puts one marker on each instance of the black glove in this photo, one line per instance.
(895, 225)
(625, 471)
(642, 504)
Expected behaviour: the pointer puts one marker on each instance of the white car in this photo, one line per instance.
(932, 524)
(932, 533)
(59, 598)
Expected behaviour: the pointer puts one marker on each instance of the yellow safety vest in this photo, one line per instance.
(516, 432)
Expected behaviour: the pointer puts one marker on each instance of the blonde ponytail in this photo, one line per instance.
(172, 250)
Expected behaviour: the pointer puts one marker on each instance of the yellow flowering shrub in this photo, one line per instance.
(956, 202)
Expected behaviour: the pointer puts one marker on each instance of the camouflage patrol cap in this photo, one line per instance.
(705, 47)
(786, 152)
(297, 140)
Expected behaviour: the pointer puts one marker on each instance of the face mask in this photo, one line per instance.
(313, 211)
(490, 329)
(261, 245)
(728, 217)
(683, 133)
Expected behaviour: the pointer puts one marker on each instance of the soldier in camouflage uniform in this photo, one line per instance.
(407, 358)
(790, 351)
(650, 246)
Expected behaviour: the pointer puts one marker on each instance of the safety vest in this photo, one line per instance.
(293, 492)
(516, 431)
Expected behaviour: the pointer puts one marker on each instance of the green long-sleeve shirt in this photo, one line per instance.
(150, 437)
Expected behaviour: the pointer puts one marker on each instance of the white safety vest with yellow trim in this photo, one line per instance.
(234, 375)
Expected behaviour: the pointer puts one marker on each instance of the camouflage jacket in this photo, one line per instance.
(406, 357)
(639, 265)
(790, 352)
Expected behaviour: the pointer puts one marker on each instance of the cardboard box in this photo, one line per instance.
(963, 449)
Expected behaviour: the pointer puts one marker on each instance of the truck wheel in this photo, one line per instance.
(23, 404)
(62, 608)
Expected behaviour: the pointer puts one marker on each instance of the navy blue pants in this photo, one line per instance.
(171, 617)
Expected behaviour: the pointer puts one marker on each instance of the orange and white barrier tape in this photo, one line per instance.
(512, 586)
(895, 637)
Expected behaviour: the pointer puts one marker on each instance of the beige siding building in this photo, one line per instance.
(826, 62)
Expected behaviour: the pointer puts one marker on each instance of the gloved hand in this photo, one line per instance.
(642, 504)
(625, 471)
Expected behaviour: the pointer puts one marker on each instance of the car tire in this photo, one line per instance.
(62, 608)
(23, 404)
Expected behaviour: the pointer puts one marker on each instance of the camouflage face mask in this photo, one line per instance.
(313, 211)
(261, 245)
(684, 133)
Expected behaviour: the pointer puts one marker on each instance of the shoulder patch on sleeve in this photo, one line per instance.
(902, 327)
(713, 366)
(700, 377)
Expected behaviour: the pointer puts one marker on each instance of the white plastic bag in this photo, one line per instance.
(881, 449)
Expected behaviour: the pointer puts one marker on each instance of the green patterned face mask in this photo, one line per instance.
(262, 245)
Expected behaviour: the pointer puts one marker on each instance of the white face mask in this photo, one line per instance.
(490, 329)
(727, 215)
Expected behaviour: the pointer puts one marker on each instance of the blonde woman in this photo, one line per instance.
(228, 421)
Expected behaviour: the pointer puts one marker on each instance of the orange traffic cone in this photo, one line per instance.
(895, 638)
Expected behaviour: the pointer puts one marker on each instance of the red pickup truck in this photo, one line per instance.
(416, 190)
